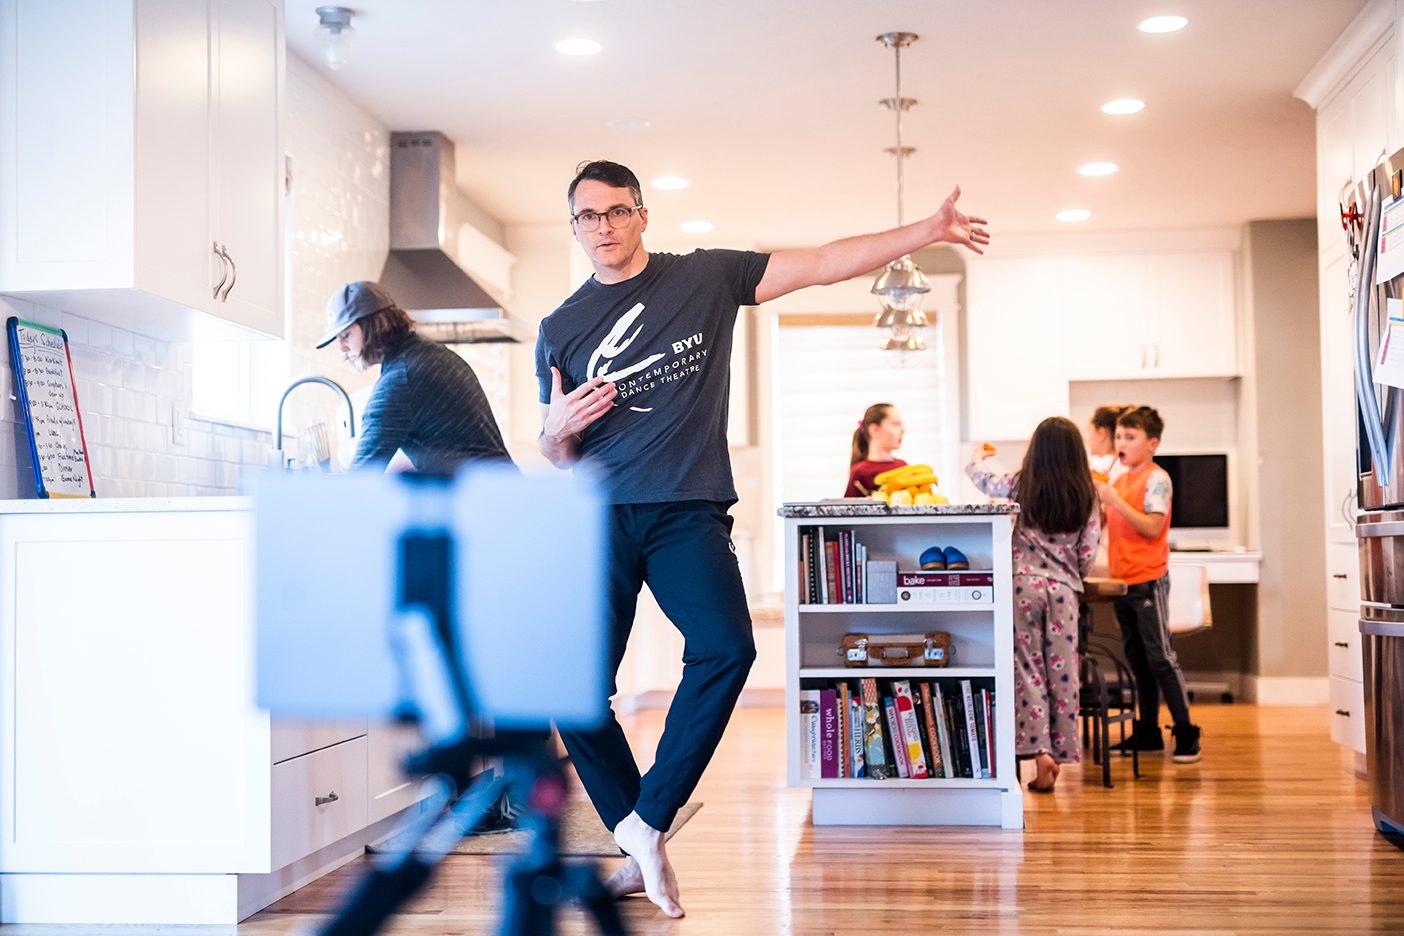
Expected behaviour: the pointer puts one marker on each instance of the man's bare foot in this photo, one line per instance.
(645, 845)
(627, 880)
(1048, 771)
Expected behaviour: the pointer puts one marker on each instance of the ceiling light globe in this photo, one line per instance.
(1162, 24)
(1123, 106)
(578, 47)
(1097, 169)
(334, 37)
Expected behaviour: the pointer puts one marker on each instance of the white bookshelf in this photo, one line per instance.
(981, 633)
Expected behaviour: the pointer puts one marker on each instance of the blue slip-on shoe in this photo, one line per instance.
(955, 560)
(933, 559)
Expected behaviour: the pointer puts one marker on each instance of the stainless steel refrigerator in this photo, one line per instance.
(1376, 232)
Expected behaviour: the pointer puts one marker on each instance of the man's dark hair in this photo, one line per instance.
(611, 174)
(1144, 418)
(382, 332)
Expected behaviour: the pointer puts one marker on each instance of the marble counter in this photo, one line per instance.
(859, 508)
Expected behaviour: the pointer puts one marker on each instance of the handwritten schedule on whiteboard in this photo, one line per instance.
(44, 383)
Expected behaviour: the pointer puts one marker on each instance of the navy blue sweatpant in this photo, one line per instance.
(683, 551)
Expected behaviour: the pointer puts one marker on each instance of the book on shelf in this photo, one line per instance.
(828, 734)
(881, 581)
(894, 734)
(982, 733)
(911, 731)
(990, 729)
(843, 765)
(856, 737)
(809, 733)
(945, 588)
(912, 727)
(968, 698)
(933, 738)
(873, 716)
(835, 568)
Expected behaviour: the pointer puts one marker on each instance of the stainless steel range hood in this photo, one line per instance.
(427, 213)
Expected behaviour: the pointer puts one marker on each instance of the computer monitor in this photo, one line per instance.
(1201, 494)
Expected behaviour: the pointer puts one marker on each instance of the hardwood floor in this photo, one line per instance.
(1269, 834)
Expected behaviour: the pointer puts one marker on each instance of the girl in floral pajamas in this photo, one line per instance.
(1055, 543)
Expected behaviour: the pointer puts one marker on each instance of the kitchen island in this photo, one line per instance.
(141, 782)
(975, 669)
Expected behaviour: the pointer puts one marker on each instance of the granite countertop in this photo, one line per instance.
(866, 508)
(92, 505)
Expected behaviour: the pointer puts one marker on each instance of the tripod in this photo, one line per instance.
(435, 693)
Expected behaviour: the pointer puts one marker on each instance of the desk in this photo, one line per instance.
(1225, 568)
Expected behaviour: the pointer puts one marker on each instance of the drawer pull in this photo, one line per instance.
(1341, 711)
(1342, 643)
(1338, 575)
(324, 800)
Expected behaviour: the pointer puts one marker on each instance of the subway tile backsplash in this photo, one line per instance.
(129, 386)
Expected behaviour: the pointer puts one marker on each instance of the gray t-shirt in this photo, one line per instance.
(428, 402)
(664, 337)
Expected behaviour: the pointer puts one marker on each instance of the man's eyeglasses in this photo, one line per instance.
(618, 216)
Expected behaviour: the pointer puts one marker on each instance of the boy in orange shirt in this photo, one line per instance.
(1137, 505)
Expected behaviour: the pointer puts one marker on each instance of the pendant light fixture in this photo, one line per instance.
(901, 287)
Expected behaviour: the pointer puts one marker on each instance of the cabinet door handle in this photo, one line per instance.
(1342, 643)
(219, 252)
(234, 275)
(324, 800)
(1338, 575)
(1341, 711)
(1143, 357)
(1157, 354)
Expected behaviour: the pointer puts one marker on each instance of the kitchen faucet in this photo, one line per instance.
(275, 458)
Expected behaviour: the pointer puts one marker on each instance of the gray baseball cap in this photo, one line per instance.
(350, 304)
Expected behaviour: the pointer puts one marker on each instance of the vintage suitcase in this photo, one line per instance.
(930, 649)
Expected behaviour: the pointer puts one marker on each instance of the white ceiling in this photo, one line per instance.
(770, 107)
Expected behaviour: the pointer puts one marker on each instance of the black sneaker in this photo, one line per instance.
(1144, 737)
(1186, 743)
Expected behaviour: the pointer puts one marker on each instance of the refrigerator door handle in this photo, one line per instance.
(1380, 448)
(1385, 528)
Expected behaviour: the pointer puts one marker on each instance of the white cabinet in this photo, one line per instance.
(142, 784)
(1015, 371)
(1341, 472)
(1037, 322)
(981, 657)
(141, 166)
(1151, 315)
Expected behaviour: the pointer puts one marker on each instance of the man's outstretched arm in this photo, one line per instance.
(839, 260)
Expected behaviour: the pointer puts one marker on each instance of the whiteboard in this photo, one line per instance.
(44, 383)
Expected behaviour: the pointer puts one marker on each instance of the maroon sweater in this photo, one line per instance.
(863, 474)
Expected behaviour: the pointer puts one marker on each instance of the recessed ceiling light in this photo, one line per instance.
(697, 227)
(1123, 106)
(1163, 24)
(578, 47)
(1097, 169)
(670, 182)
(1074, 214)
(628, 123)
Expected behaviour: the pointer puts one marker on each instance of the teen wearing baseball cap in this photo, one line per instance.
(427, 401)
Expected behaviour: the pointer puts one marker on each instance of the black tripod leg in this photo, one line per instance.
(583, 882)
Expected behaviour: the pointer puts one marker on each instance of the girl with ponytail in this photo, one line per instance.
(878, 436)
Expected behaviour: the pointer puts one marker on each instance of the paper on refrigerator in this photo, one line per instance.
(1389, 363)
(1391, 240)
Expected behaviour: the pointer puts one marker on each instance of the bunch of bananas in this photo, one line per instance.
(910, 484)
